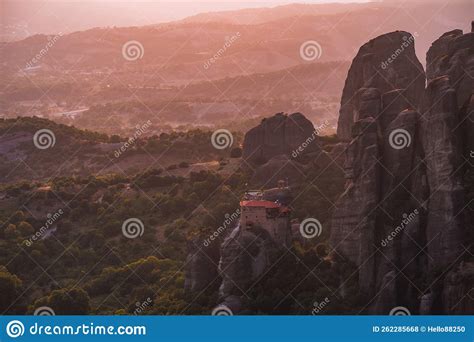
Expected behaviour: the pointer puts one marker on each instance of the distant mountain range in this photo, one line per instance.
(25, 18)
(269, 37)
(211, 66)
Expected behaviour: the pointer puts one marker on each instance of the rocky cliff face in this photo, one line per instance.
(245, 256)
(236, 262)
(385, 72)
(403, 217)
(239, 258)
(200, 267)
(278, 168)
(406, 216)
(280, 134)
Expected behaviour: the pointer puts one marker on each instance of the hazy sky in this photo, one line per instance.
(20, 18)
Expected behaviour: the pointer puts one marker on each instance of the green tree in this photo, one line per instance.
(18, 216)
(10, 286)
(74, 301)
(236, 152)
(11, 232)
(25, 228)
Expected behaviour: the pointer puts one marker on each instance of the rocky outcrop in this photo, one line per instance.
(457, 295)
(384, 64)
(403, 218)
(447, 139)
(354, 216)
(201, 265)
(245, 256)
(278, 168)
(280, 134)
(444, 155)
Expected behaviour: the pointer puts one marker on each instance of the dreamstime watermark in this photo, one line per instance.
(44, 311)
(319, 306)
(222, 139)
(15, 329)
(407, 41)
(310, 228)
(44, 51)
(406, 220)
(222, 310)
(296, 152)
(141, 307)
(133, 50)
(310, 50)
(229, 220)
(133, 139)
(133, 228)
(44, 139)
(399, 138)
(51, 219)
(400, 311)
(471, 154)
(228, 43)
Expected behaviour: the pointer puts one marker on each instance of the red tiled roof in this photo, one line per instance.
(265, 204)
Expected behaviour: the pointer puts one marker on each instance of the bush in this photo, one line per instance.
(25, 228)
(10, 286)
(236, 152)
(74, 301)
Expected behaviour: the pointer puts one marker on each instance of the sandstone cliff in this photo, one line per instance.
(403, 218)
(280, 134)
(245, 256)
(385, 72)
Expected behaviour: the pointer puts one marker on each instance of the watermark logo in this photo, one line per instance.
(229, 219)
(133, 50)
(406, 220)
(51, 219)
(44, 139)
(399, 138)
(228, 43)
(471, 154)
(15, 329)
(222, 310)
(317, 131)
(310, 50)
(44, 51)
(133, 139)
(400, 311)
(142, 306)
(222, 139)
(311, 228)
(44, 311)
(319, 306)
(407, 41)
(133, 228)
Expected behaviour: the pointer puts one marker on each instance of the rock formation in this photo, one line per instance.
(382, 68)
(238, 257)
(264, 231)
(200, 266)
(245, 256)
(277, 135)
(277, 168)
(403, 217)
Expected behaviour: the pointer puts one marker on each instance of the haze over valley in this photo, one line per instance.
(236, 158)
